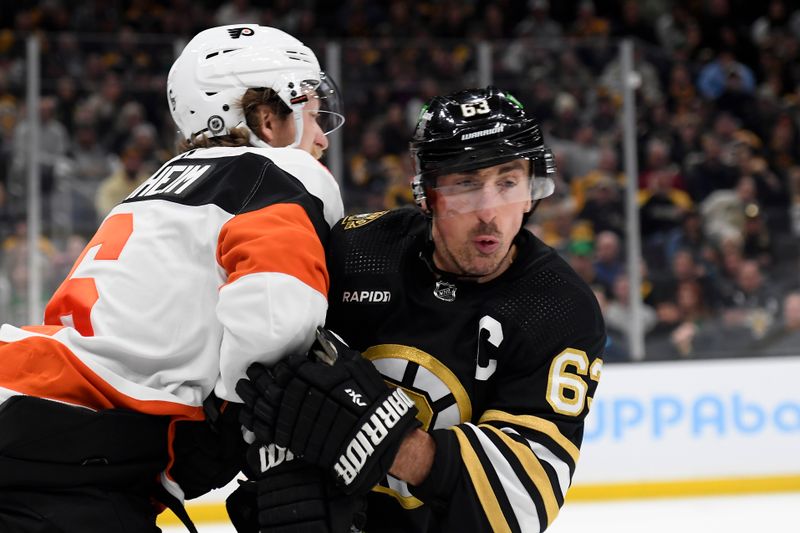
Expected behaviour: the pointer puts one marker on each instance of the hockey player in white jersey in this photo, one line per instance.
(215, 262)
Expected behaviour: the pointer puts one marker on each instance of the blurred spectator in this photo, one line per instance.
(619, 314)
(144, 140)
(89, 162)
(606, 118)
(580, 255)
(608, 259)
(680, 90)
(631, 23)
(15, 264)
(690, 337)
(394, 131)
(737, 94)
(727, 128)
(671, 27)
(794, 202)
(7, 217)
(67, 98)
(85, 168)
(53, 145)
(371, 171)
(723, 210)
(557, 220)
(649, 83)
(537, 22)
(716, 76)
(493, 24)
(684, 268)
(116, 187)
(93, 16)
(775, 20)
(8, 122)
(587, 24)
(616, 349)
(709, 172)
(689, 236)
(565, 114)
(130, 116)
(657, 162)
(400, 18)
(604, 208)
(571, 74)
(106, 103)
(783, 143)
(662, 206)
(757, 240)
(784, 337)
(686, 140)
(574, 139)
(236, 12)
(754, 303)
(770, 190)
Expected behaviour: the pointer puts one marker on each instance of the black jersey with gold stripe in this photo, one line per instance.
(503, 372)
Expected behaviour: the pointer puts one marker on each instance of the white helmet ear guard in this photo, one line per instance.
(207, 81)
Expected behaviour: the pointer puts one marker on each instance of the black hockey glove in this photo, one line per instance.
(289, 495)
(341, 417)
(209, 453)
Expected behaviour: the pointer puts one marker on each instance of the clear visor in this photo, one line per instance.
(508, 185)
(471, 194)
(324, 101)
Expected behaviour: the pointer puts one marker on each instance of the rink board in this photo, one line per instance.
(682, 428)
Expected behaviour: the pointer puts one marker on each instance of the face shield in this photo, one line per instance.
(323, 101)
(512, 184)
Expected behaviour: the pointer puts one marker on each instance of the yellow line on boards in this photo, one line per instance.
(215, 512)
(199, 512)
(684, 488)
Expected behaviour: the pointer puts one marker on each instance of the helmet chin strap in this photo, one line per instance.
(297, 114)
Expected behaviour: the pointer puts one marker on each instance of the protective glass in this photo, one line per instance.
(324, 100)
(514, 182)
(469, 192)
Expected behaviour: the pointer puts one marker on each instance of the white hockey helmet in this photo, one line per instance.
(215, 69)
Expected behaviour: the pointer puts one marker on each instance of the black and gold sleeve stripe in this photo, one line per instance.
(520, 468)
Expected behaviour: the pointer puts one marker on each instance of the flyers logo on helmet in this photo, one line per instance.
(235, 33)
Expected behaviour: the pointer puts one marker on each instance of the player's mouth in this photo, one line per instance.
(486, 245)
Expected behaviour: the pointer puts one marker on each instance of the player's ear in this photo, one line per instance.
(271, 125)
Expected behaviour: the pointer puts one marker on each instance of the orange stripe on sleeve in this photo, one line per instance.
(276, 238)
(43, 367)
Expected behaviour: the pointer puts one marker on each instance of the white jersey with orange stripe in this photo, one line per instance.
(213, 263)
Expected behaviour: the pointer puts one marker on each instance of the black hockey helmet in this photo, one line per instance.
(473, 129)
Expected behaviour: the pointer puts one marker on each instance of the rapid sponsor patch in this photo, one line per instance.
(372, 297)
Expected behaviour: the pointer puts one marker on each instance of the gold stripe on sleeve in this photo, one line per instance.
(482, 485)
(535, 471)
(535, 423)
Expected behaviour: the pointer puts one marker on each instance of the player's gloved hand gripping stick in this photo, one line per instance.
(340, 415)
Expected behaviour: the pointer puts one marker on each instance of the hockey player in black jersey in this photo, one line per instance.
(491, 335)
